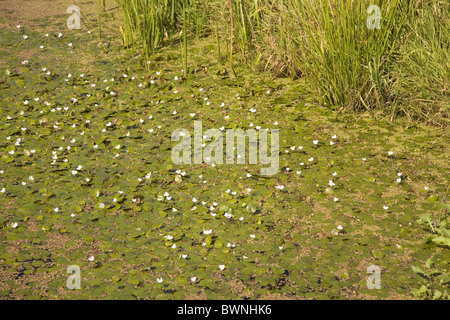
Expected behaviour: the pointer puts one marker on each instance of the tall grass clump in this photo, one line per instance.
(340, 55)
(152, 22)
(149, 21)
(422, 72)
(402, 67)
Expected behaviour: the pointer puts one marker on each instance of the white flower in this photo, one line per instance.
(333, 137)
(385, 207)
(340, 227)
(252, 236)
(311, 159)
(31, 178)
(174, 246)
(221, 266)
(25, 36)
(426, 188)
(336, 199)
(193, 279)
(334, 174)
(169, 237)
(207, 231)
(74, 172)
(390, 153)
(331, 183)
(91, 258)
(399, 180)
(184, 256)
(56, 209)
(227, 215)
(316, 142)
(14, 225)
(159, 280)
(3, 190)
(399, 174)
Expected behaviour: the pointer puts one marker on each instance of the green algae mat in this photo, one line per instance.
(94, 207)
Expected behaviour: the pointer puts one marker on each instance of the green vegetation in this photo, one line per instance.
(86, 176)
(401, 68)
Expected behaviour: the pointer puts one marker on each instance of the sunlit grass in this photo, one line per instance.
(348, 65)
